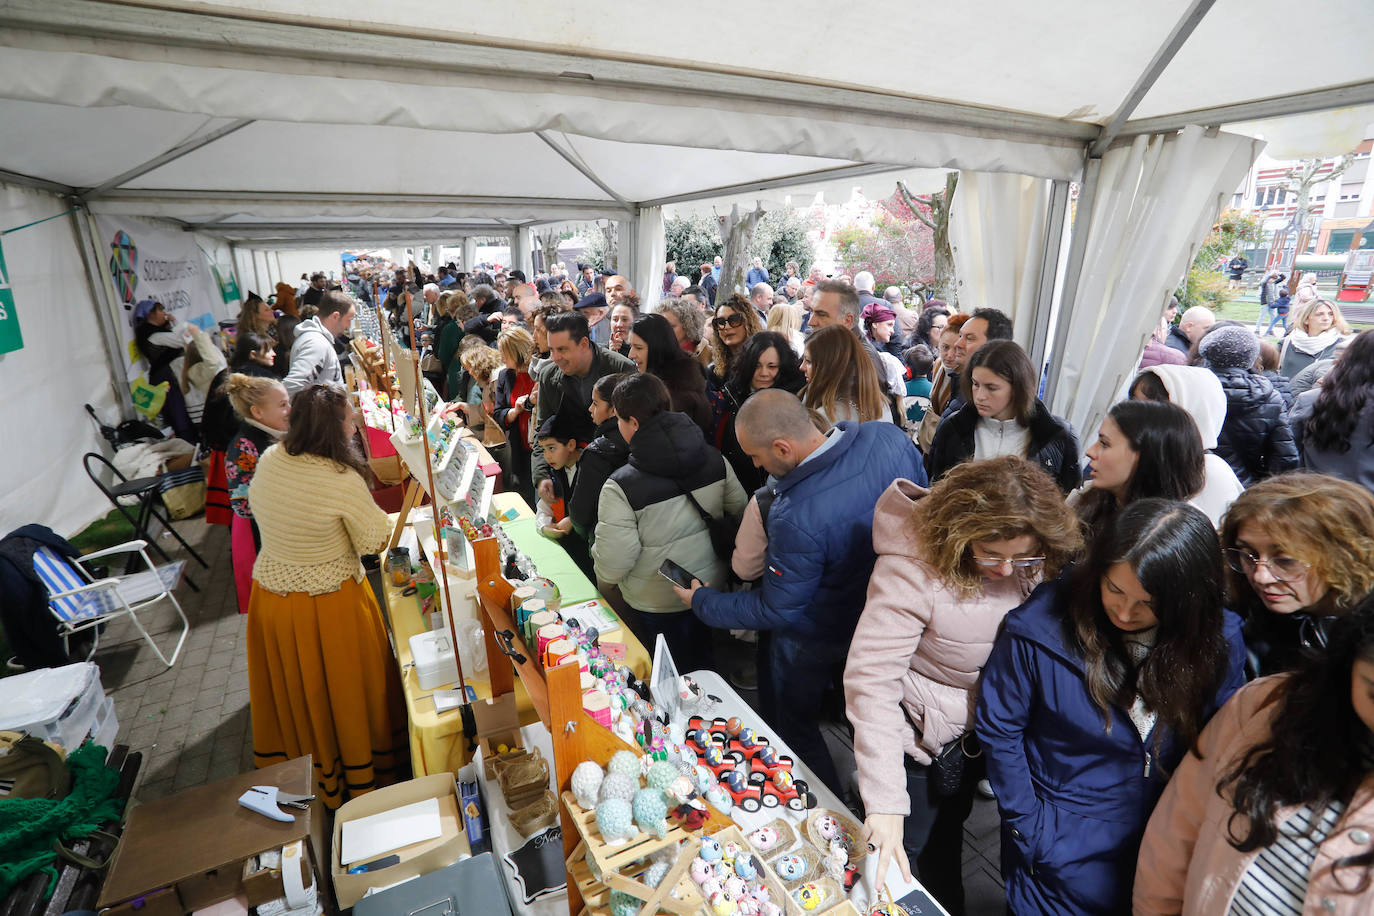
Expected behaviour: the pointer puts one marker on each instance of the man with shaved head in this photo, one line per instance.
(822, 489)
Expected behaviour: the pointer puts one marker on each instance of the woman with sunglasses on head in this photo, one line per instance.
(1274, 813)
(735, 322)
(951, 564)
(1300, 552)
(1143, 449)
(1095, 689)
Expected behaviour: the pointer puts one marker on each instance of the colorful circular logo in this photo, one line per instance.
(124, 267)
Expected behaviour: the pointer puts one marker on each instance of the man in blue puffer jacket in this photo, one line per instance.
(820, 555)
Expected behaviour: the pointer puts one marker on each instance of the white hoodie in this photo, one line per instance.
(1198, 391)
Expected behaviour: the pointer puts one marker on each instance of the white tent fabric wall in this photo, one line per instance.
(997, 235)
(62, 366)
(649, 252)
(1157, 197)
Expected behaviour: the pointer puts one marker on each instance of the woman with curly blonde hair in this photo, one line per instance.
(951, 563)
(735, 322)
(1300, 551)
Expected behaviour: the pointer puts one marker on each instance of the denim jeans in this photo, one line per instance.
(1278, 318)
(800, 673)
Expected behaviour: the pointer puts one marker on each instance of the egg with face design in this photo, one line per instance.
(790, 867)
(764, 839)
(809, 896)
(829, 827)
(710, 849)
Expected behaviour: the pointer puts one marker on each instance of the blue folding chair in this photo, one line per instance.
(81, 602)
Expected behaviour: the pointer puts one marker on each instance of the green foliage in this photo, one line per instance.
(1233, 232)
(781, 237)
(601, 250)
(692, 241)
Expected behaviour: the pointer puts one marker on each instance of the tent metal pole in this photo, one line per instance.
(1347, 96)
(1146, 80)
(281, 274)
(30, 181)
(173, 154)
(234, 265)
(574, 160)
(1049, 266)
(785, 181)
(106, 308)
(1073, 271)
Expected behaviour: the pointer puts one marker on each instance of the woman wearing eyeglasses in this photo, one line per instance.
(1275, 813)
(1300, 552)
(735, 322)
(1095, 689)
(950, 566)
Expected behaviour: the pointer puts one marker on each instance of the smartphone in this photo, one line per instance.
(676, 574)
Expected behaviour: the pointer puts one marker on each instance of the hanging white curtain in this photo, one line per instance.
(648, 256)
(520, 252)
(997, 235)
(1156, 198)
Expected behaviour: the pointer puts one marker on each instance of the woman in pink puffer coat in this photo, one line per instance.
(950, 566)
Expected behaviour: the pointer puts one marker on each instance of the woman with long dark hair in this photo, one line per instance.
(1143, 449)
(767, 361)
(321, 676)
(1334, 424)
(1002, 416)
(654, 349)
(1094, 690)
(951, 564)
(929, 326)
(1273, 812)
(1300, 554)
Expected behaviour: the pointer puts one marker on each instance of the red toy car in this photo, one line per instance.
(743, 793)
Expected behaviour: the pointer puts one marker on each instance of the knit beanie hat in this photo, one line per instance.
(1230, 348)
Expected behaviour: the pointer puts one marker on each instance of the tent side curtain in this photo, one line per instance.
(1156, 200)
(650, 254)
(997, 237)
(222, 84)
(62, 365)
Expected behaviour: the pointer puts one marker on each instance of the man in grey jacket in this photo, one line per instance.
(313, 360)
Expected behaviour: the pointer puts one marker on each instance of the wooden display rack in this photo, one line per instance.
(556, 694)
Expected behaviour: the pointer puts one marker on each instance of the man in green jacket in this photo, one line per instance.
(565, 382)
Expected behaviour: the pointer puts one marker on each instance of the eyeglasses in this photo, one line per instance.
(733, 321)
(1016, 562)
(1284, 569)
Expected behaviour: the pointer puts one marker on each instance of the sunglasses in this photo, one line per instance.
(1016, 562)
(733, 321)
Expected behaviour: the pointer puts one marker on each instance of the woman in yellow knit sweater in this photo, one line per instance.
(321, 676)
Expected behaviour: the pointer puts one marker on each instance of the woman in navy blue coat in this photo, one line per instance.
(1096, 687)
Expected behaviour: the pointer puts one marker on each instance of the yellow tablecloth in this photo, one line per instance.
(437, 742)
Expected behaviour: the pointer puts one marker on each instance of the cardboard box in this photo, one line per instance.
(261, 885)
(416, 859)
(187, 851)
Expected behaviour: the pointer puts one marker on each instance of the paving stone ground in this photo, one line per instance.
(191, 722)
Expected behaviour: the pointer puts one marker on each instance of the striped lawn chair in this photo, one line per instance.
(81, 602)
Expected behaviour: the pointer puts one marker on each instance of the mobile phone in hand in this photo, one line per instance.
(676, 574)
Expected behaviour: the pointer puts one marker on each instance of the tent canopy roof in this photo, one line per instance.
(263, 120)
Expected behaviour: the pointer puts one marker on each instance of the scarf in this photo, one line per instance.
(1303, 342)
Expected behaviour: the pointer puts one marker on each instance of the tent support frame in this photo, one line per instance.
(102, 299)
(172, 155)
(1055, 219)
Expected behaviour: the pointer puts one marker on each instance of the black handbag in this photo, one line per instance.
(721, 530)
(947, 768)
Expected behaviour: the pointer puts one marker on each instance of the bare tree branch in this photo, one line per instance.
(910, 200)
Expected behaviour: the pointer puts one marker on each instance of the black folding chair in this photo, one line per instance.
(148, 490)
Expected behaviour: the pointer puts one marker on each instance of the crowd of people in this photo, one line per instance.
(1158, 650)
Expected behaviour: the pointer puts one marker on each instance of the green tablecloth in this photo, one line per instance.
(552, 561)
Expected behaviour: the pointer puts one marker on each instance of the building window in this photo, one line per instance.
(1339, 241)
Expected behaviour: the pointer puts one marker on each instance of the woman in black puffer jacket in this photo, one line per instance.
(1255, 439)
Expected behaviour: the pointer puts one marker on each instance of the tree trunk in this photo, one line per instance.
(738, 233)
(610, 246)
(548, 246)
(944, 286)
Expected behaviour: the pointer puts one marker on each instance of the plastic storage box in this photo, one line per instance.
(61, 705)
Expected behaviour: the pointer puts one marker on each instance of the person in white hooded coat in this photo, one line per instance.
(1198, 391)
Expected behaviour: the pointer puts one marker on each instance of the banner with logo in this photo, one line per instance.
(10, 338)
(148, 262)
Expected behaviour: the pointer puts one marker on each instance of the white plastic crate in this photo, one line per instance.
(60, 705)
(106, 726)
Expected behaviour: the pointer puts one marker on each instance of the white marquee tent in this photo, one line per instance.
(253, 126)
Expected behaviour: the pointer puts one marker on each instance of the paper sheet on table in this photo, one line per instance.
(369, 837)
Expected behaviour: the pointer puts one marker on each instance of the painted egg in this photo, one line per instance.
(701, 871)
(710, 849)
(764, 839)
(828, 827)
(745, 867)
(790, 867)
(809, 895)
(722, 905)
(733, 725)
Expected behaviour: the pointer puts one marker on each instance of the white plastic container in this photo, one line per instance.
(106, 725)
(60, 705)
(435, 665)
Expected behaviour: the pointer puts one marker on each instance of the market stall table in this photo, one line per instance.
(436, 738)
(504, 837)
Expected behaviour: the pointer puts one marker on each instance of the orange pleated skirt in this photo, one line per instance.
(322, 681)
